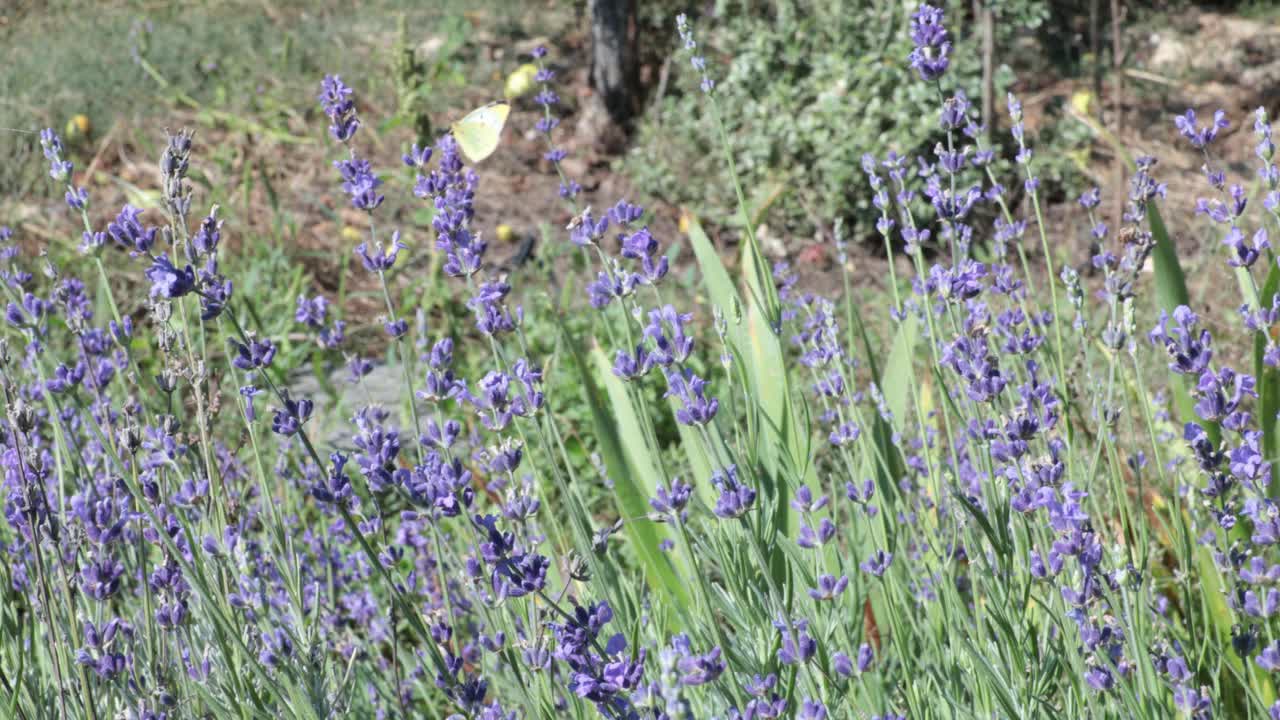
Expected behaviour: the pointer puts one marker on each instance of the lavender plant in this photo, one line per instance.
(994, 514)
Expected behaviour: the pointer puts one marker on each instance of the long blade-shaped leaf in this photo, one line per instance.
(895, 378)
(781, 445)
(882, 432)
(1268, 379)
(773, 387)
(634, 474)
(1171, 282)
(1171, 291)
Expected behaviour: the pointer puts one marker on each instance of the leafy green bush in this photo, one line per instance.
(814, 85)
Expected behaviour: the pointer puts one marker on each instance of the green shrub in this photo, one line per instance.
(814, 85)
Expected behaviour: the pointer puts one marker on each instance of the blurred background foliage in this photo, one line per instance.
(812, 86)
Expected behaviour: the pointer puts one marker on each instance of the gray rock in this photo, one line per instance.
(331, 420)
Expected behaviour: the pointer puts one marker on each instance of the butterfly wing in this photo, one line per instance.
(479, 132)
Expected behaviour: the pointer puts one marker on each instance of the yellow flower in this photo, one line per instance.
(684, 222)
(521, 82)
(1082, 102)
(78, 128)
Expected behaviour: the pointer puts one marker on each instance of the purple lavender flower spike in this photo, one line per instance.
(254, 356)
(829, 587)
(669, 501)
(698, 409)
(878, 563)
(335, 487)
(169, 281)
(360, 183)
(812, 710)
(735, 498)
(335, 100)
(1269, 658)
(699, 669)
(288, 420)
(51, 144)
(381, 259)
(932, 52)
(1200, 137)
(128, 230)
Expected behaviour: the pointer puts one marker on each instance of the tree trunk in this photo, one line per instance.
(1117, 104)
(613, 58)
(987, 23)
(1095, 49)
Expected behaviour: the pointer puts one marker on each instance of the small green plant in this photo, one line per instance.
(422, 70)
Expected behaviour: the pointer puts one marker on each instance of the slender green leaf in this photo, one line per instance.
(780, 445)
(1268, 379)
(882, 432)
(699, 463)
(1171, 282)
(761, 352)
(633, 472)
(1171, 291)
(895, 380)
